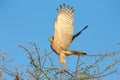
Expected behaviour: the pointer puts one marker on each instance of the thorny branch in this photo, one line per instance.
(39, 69)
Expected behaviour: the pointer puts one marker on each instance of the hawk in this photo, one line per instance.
(63, 34)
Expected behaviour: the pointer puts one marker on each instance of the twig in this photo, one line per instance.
(70, 74)
(77, 66)
(30, 54)
(99, 55)
(38, 53)
(104, 75)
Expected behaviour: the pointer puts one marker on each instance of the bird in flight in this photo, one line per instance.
(63, 34)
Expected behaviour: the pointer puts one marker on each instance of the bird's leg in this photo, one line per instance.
(61, 66)
(64, 66)
(62, 61)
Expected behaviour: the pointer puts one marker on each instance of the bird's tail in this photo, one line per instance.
(78, 53)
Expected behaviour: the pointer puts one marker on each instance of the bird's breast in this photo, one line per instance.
(56, 48)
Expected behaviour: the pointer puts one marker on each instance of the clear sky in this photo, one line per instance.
(22, 21)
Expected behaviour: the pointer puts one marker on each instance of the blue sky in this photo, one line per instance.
(22, 21)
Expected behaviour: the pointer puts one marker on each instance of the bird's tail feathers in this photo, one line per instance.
(78, 53)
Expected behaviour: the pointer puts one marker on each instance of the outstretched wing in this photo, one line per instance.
(77, 34)
(63, 34)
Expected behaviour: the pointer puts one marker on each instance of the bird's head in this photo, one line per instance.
(51, 39)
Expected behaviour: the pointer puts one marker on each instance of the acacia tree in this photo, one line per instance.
(37, 69)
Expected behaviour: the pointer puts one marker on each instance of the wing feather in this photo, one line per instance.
(64, 26)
